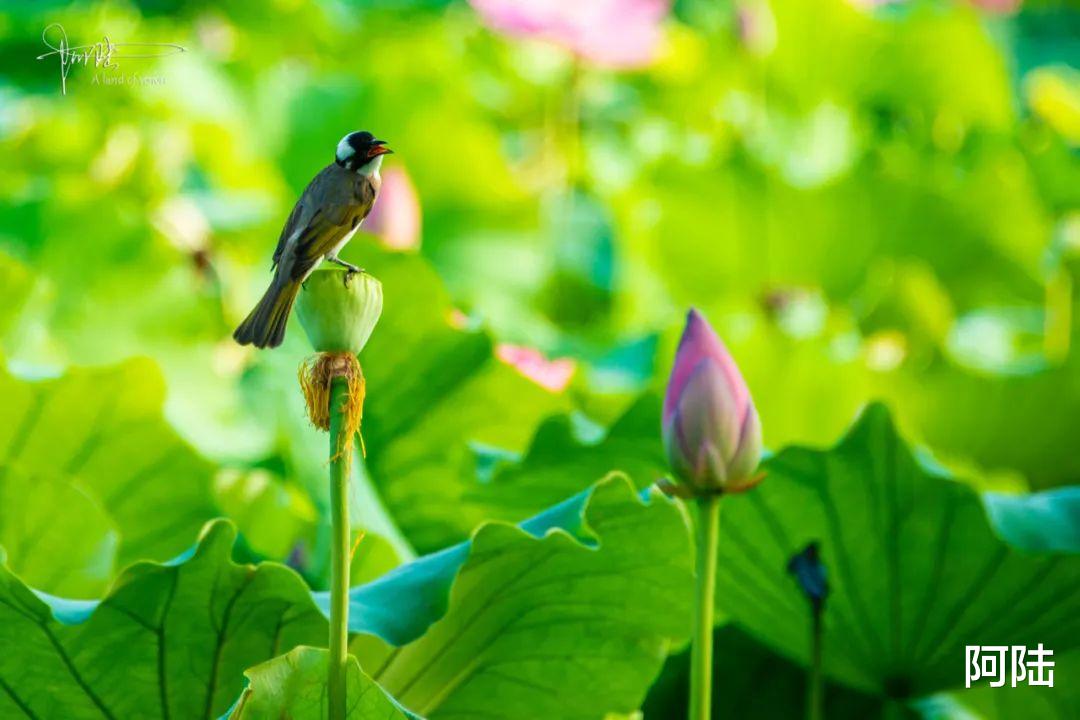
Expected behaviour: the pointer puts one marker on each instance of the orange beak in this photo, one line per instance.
(378, 147)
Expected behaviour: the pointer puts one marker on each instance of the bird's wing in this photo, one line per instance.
(344, 199)
(299, 217)
(286, 232)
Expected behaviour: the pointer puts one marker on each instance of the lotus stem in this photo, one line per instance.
(701, 653)
(809, 572)
(340, 467)
(815, 695)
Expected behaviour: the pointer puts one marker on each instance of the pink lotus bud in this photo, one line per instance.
(711, 429)
(395, 217)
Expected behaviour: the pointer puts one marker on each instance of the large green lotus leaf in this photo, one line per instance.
(742, 669)
(559, 463)
(372, 557)
(272, 516)
(1022, 421)
(56, 537)
(915, 568)
(806, 389)
(426, 472)
(1039, 522)
(293, 686)
(169, 640)
(16, 284)
(570, 615)
(132, 297)
(712, 210)
(103, 428)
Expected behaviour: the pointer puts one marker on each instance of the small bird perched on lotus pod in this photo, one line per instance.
(325, 218)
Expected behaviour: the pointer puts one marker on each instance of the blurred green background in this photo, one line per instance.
(868, 200)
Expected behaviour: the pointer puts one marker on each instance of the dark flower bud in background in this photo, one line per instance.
(712, 434)
(809, 573)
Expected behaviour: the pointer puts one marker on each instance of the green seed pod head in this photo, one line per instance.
(338, 310)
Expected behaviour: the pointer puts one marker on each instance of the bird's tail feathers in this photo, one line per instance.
(265, 326)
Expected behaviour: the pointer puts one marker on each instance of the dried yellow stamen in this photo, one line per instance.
(315, 375)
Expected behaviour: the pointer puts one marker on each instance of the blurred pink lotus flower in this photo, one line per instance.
(458, 320)
(998, 6)
(711, 430)
(553, 375)
(609, 33)
(396, 215)
(755, 26)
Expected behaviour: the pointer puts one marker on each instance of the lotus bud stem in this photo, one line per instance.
(809, 573)
(712, 436)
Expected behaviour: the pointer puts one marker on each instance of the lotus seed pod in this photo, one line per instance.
(338, 310)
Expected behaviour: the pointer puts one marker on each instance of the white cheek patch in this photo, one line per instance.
(344, 149)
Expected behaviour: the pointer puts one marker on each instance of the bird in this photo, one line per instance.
(322, 222)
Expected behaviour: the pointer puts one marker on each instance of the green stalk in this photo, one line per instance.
(339, 552)
(814, 690)
(701, 654)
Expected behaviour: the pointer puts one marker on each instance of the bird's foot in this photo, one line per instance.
(349, 273)
(348, 266)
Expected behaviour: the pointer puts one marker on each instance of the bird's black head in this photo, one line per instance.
(361, 152)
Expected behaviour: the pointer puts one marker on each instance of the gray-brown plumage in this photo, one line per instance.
(324, 219)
